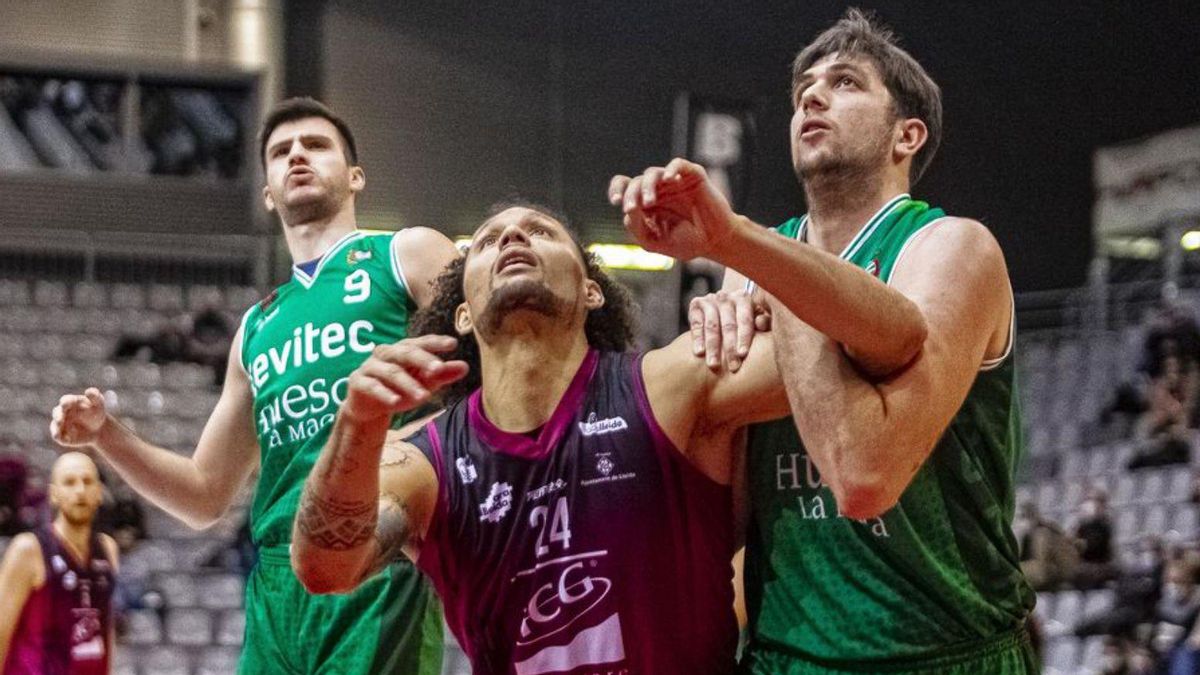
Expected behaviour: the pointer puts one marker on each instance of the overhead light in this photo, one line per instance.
(1190, 240)
(630, 257)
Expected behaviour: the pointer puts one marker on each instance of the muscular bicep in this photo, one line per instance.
(228, 448)
(408, 490)
(956, 276)
(423, 254)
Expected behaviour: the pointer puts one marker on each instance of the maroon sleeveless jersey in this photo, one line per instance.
(593, 548)
(63, 629)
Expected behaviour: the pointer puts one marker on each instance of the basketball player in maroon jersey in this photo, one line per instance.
(55, 608)
(574, 511)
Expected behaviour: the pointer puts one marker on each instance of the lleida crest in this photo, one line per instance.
(356, 256)
(497, 504)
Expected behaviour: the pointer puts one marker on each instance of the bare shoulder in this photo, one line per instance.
(23, 559)
(963, 238)
(420, 236)
(111, 551)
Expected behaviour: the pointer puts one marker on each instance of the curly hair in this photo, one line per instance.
(609, 327)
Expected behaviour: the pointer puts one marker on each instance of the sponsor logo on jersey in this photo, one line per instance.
(873, 267)
(547, 489)
(466, 470)
(498, 502)
(561, 610)
(58, 564)
(595, 427)
(355, 256)
(606, 466)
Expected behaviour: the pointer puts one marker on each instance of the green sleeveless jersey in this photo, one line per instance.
(299, 346)
(935, 577)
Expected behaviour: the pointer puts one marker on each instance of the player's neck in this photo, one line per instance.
(837, 210)
(309, 240)
(524, 376)
(78, 537)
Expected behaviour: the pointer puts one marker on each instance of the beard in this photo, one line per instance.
(78, 516)
(851, 162)
(522, 295)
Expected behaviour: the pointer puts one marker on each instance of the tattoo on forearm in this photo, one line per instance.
(335, 524)
(393, 530)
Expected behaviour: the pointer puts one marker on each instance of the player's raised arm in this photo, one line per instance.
(196, 489)
(676, 211)
(19, 572)
(869, 438)
(357, 513)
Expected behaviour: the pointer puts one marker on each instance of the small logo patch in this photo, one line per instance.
(466, 470)
(595, 427)
(356, 256)
(497, 504)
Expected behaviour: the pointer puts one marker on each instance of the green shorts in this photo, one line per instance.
(1007, 655)
(392, 624)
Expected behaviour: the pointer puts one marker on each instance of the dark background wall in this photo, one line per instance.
(458, 105)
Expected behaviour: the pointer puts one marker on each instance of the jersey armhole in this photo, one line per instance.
(397, 267)
(241, 344)
(428, 554)
(662, 443)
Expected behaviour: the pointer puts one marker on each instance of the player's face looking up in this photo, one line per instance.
(308, 174)
(521, 260)
(75, 488)
(845, 121)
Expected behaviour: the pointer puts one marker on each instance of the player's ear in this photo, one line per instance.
(911, 136)
(463, 323)
(593, 295)
(358, 179)
(268, 200)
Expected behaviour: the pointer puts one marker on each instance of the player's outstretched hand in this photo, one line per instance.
(399, 377)
(723, 325)
(673, 210)
(77, 420)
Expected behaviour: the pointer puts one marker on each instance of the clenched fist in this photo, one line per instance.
(77, 420)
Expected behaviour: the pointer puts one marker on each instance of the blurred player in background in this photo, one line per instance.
(56, 583)
(880, 527)
(349, 292)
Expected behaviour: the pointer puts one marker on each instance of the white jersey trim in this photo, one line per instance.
(306, 280)
(241, 344)
(397, 266)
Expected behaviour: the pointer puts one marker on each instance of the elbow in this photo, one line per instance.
(319, 579)
(863, 499)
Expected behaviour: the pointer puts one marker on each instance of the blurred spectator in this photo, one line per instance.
(1114, 658)
(1172, 331)
(13, 473)
(1178, 605)
(1171, 412)
(1093, 533)
(35, 503)
(1048, 556)
(1141, 661)
(1137, 591)
(203, 338)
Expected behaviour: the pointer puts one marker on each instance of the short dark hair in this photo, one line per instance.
(608, 328)
(303, 107)
(860, 34)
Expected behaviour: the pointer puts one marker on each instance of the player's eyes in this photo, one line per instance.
(487, 240)
(846, 80)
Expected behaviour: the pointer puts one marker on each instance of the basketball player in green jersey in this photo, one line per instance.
(288, 367)
(879, 532)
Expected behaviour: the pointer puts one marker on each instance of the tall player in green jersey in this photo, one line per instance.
(288, 367)
(879, 532)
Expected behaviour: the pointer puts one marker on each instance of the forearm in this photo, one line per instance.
(841, 417)
(880, 329)
(169, 480)
(333, 541)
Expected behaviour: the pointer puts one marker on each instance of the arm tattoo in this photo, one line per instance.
(392, 533)
(335, 524)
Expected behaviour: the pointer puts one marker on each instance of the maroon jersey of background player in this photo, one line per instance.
(64, 625)
(591, 547)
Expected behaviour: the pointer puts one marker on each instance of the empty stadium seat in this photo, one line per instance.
(165, 298)
(143, 627)
(193, 627)
(89, 295)
(166, 660)
(221, 591)
(179, 590)
(217, 661)
(50, 294)
(231, 627)
(202, 297)
(1062, 655)
(14, 292)
(128, 296)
